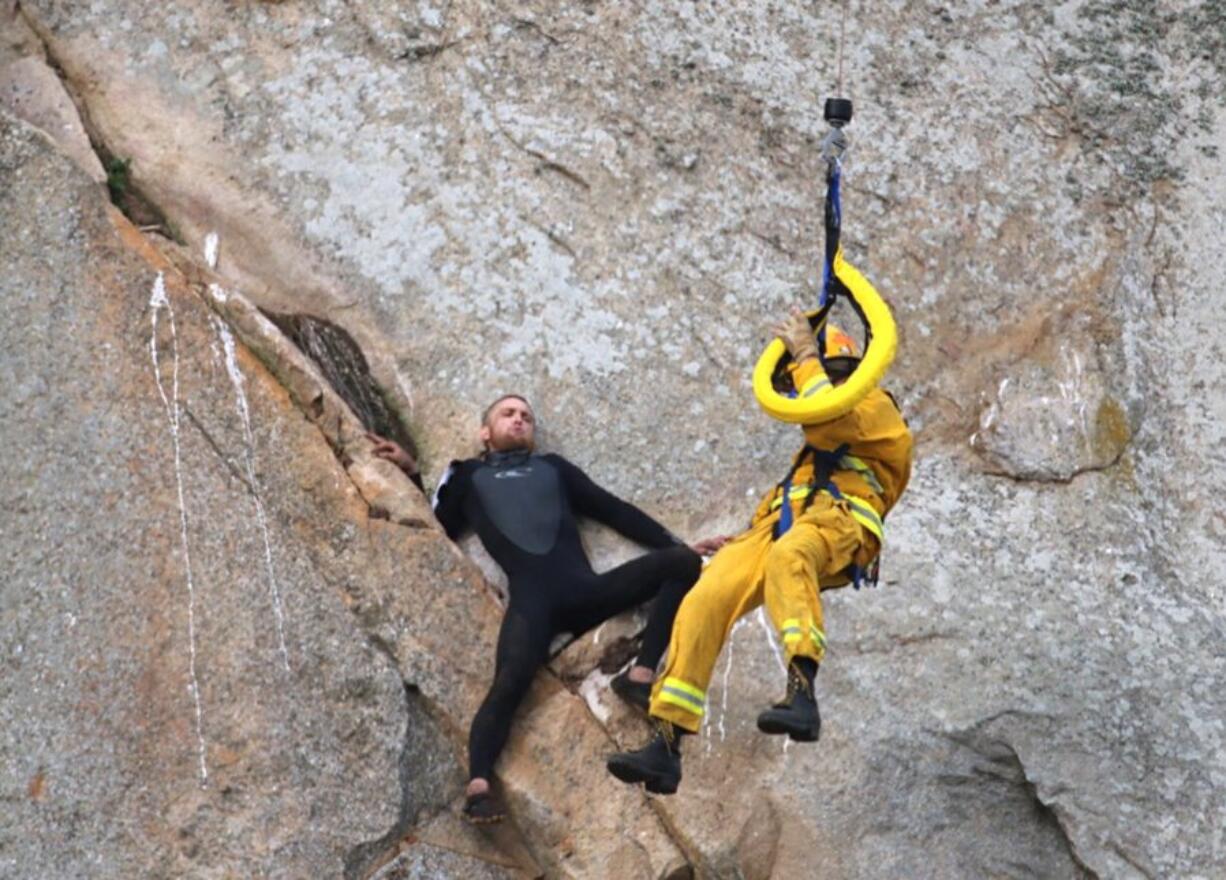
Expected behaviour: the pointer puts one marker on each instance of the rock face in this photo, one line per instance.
(1051, 416)
(599, 205)
(213, 646)
(148, 730)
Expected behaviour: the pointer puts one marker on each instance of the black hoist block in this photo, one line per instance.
(838, 111)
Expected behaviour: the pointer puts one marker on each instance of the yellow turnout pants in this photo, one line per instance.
(748, 571)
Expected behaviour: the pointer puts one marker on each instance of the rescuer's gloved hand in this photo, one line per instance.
(797, 335)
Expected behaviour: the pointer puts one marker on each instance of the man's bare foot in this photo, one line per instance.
(641, 674)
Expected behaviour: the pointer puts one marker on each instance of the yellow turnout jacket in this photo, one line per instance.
(871, 475)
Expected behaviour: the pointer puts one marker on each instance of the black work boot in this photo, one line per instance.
(657, 765)
(797, 715)
(636, 693)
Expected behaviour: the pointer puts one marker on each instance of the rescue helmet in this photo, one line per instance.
(841, 354)
(839, 344)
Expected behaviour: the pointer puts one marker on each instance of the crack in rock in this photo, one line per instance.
(121, 179)
(1003, 763)
(427, 772)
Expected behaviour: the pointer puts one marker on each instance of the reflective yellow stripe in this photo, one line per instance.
(685, 688)
(861, 510)
(866, 516)
(863, 513)
(680, 700)
(688, 697)
(815, 384)
(797, 493)
(852, 463)
(792, 631)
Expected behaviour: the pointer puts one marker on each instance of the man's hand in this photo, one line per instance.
(393, 452)
(797, 335)
(707, 546)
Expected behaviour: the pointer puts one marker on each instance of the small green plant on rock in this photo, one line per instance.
(118, 178)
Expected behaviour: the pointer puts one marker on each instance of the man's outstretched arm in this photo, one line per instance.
(599, 504)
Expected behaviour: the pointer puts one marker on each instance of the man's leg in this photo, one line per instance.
(822, 542)
(663, 575)
(523, 646)
(730, 586)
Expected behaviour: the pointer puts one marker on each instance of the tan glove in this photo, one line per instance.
(797, 335)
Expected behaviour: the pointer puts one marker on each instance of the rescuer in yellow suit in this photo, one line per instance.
(822, 524)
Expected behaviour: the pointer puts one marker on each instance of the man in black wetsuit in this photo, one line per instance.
(523, 506)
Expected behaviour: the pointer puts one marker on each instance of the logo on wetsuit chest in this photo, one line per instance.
(512, 473)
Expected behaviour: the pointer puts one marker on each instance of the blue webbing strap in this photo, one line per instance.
(834, 223)
(824, 464)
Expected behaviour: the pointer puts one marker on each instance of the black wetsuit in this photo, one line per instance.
(523, 508)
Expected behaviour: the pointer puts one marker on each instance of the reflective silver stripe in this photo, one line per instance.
(814, 385)
(851, 463)
(682, 695)
(863, 513)
(866, 516)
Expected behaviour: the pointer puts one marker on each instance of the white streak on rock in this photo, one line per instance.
(1076, 394)
(723, 697)
(158, 301)
(244, 414)
(593, 690)
(211, 242)
(703, 732)
(771, 640)
(215, 348)
(765, 623)
(406, 388)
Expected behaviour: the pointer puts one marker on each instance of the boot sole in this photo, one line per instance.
(632, 774)
(796, 734)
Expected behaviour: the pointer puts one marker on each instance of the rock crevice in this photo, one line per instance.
(124, 189)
